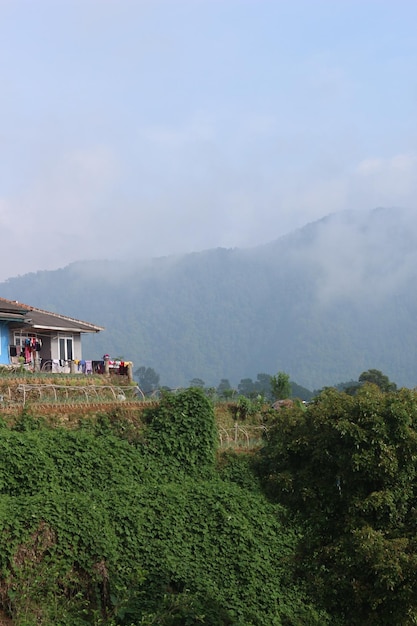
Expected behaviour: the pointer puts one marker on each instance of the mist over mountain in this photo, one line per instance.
(323, 303)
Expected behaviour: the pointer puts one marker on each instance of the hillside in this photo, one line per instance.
(324, 303)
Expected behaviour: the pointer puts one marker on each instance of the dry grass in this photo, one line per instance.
(4, 620)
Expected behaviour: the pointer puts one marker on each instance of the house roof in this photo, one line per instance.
(43, 320)
(11, 311)
(12, 306)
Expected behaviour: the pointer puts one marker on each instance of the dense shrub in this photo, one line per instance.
(182, 432)
(97, 529)
(347, 467)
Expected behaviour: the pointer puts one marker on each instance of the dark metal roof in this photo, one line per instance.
(45, 320)
(12, 306)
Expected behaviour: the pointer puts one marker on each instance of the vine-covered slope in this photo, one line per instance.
(102, 524)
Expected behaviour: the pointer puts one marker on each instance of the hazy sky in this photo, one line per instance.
(154, 127)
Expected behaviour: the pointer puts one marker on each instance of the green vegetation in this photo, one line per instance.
(270, 388)
(107, 524)
(281, 386)
(374, 376)
(100, 527)
(147, 378)
(346, 468)
(377, 378)
(223, 313)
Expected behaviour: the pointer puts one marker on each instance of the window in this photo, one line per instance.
(66, 347)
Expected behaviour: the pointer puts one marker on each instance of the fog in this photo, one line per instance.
(156, 128)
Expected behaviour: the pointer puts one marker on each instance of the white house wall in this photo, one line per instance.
(76, 345)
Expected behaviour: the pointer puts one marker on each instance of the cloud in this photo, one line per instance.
(363, 256)
(387, 181)
(58, 213)
(368, 183)
(357, 256)
(154, 127)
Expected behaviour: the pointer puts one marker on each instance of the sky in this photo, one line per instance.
(150, 128)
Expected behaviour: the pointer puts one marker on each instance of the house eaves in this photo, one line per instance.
(14, 311)
(65, 329)
(12, 317)
(44, 320)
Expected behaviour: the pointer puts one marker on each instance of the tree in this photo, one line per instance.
(263, 385)
(377, 378)
(350, 387)
(281, 386)
(224, 389)
(347, 467)
(197, 382)
(247, 388)
(148, 379)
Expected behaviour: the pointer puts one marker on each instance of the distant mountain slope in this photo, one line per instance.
(324, 303)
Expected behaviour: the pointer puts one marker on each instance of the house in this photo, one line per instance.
(40, 339)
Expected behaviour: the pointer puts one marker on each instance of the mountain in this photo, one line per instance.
(323, 303)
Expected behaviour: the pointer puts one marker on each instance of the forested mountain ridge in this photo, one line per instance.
(323, 303)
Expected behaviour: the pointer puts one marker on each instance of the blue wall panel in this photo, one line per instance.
(4, 343)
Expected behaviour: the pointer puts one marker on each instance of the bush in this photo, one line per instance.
(182, 432)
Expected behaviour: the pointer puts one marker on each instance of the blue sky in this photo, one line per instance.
(149, 128)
